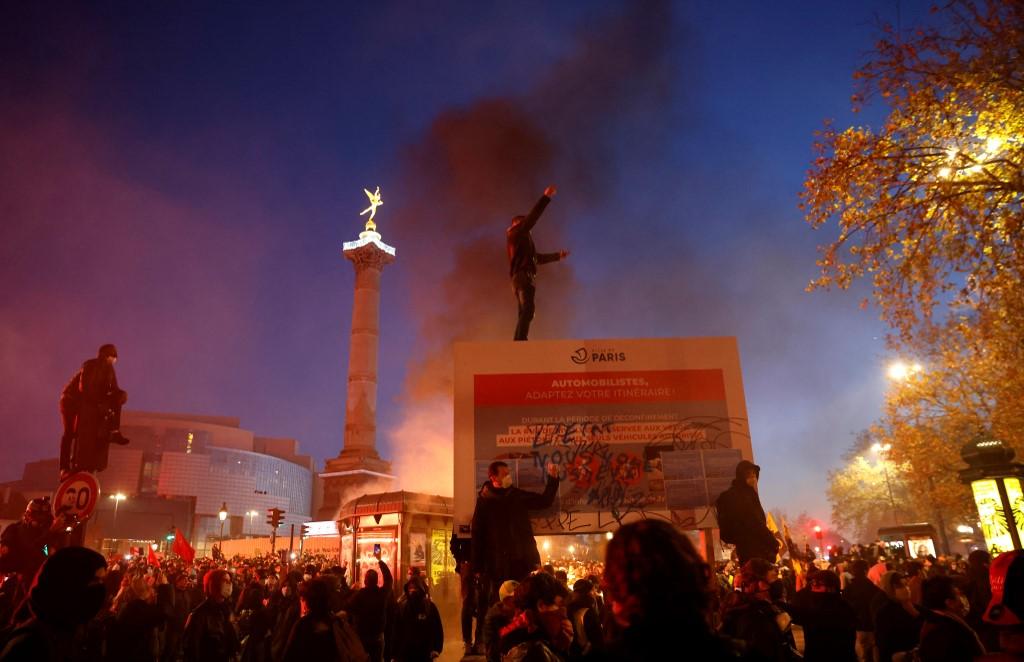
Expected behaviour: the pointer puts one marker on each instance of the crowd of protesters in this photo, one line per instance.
(653, 598)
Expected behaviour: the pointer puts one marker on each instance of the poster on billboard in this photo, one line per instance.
(637, 428)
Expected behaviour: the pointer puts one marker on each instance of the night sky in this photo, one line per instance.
(178, 178)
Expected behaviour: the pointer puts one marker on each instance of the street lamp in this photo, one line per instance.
(900, 372)
(995, 480)
(223, 515)
(118, 498)
(879, 449)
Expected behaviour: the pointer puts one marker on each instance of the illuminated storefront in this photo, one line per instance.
(412, 530)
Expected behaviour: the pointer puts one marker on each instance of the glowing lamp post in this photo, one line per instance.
(222, 515)
(995, 480)
(118, 498)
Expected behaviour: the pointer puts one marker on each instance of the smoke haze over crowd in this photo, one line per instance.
(179, 181)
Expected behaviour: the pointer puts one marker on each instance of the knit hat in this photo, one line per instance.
(507, 589)
(1006, 575)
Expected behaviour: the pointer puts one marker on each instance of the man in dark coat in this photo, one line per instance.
(741, 517)
(503, 545)
(860, 593)
(368, 609)
(523, 259)
(90, 407)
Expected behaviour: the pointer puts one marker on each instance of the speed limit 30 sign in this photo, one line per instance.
(77, 495)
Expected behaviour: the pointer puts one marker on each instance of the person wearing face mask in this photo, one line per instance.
(90, 408)
(897, 620)
(759, 627)
(741, 517)
(67, 593)
(419, 635)
(541, 628)
(24, 544)
(945, 634)
(503, 546)
(209, 633)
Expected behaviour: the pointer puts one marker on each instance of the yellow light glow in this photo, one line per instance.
(944, 173)
(993, 144)
(900, 371)
(881, 448)
(994, 525)
(546, 545)
(118, 497)
(952, 152)
(609, 535)
(375, 201)
(572, 549)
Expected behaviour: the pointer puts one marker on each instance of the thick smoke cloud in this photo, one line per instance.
(475, 168)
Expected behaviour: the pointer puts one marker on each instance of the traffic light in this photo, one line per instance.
(274, 517)
(305, 530)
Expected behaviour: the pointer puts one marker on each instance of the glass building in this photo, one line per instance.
(215, 462)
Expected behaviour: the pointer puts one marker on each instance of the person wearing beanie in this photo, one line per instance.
(741, 518)
(66, 594)
(90, 407)
(498, 616)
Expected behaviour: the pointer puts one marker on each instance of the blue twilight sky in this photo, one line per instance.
(178, 178)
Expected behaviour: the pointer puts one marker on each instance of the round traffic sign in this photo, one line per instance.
(77, 495)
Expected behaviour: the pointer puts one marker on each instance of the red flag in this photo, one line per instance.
(182, 548)
(152, 559)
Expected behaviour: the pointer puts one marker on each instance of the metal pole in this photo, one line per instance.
(291, 542)
(1011, 523)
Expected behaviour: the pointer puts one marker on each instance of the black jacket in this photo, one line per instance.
(861, 593)
(741, 521)
(895, 629)
(209, 634)
(368, 608)
(830, 626)
(522, 254)
(947, 639)
(418, 631)
(503, 544)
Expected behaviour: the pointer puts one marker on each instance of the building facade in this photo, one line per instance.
(215, 463)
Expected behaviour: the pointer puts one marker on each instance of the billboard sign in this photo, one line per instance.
(637, 428)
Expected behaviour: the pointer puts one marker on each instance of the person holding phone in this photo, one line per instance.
(368, 608)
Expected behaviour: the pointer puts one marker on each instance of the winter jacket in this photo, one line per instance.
(523, 257)
(741, 521)
(503, 545)
(209, 634)
(861, 593)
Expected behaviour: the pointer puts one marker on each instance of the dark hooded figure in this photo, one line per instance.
(419, 635)
(741, 517)
(523, 259)
(503, 545)
(25, 544)
(66, 594)
(90, 407)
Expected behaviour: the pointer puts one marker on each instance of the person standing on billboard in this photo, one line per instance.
(523, 259)
(741, 518)
(503, 546)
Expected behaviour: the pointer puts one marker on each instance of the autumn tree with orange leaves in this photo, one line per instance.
(927, 208)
